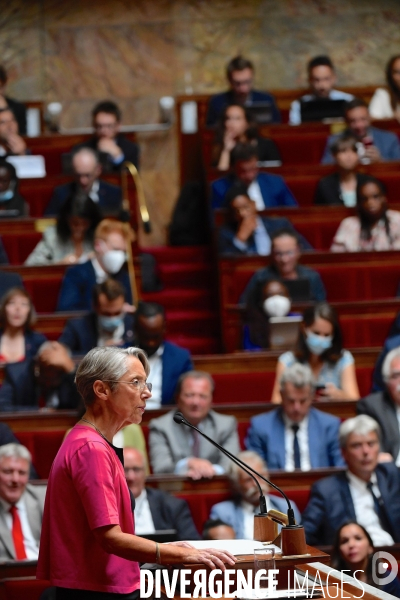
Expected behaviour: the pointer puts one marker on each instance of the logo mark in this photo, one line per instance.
(384, 568)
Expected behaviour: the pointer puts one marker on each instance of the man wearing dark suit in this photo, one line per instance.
(167, 361)
(155, 510)
(284, 265)
(367, 492)
(391, 342)
(21, 505)
(113, 147)
(107, 324)
(18, 108)
(246, 233)
(87, 170)
(384, 405)
(295, 435)
(378, 145)
(266, 190)
(8, 281)
(240, 75)
(176, 449)
(109, 259)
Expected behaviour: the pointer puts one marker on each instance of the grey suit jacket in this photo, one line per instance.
(170, 442)
(34, 501)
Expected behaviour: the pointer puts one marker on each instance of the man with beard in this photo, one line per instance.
(239, 512)
(167, 361)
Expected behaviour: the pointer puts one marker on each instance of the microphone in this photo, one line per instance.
(180, 420)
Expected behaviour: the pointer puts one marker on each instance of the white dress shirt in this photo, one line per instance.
(364, 508)
(302, 436)
(101, 274)
(143, 519)
(94, 191)
(255, 194)
(156, 373)
(31, 546)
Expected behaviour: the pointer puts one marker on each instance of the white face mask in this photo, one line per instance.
(113, 260)
(277, 306)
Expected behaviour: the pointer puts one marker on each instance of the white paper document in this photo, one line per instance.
(235, 547)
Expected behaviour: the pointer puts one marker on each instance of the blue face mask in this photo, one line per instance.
(110, 323)
(317, 344)
(7, 195)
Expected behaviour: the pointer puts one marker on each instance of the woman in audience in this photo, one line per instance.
(385, 103)
(17, 315)
(10, 199)
(71, 239)
(320, 346)
(237, 125)
(353, 551)
(375, 227)
(340, 188)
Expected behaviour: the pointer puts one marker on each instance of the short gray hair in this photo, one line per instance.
(193, 375)
(14, 450)
(298, 375)
(360, 425)
(106, 363)
(246, 456)
(395, 353)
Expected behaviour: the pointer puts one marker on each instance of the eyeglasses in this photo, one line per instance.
(138, 385)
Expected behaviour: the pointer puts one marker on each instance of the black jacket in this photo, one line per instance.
(381, 407)
(328, 190)
(169, 512)
(130, 150)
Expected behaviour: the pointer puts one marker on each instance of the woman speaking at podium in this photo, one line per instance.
(88, 549)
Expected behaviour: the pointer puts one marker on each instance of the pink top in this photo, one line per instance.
(86, 489)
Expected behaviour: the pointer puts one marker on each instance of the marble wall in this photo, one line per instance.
(136, 51)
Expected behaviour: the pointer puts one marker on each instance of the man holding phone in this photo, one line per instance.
(375, 145)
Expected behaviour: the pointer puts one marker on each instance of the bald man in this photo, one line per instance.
(86, 172)
(155, 510)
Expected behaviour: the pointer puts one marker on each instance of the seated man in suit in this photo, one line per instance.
(284, 266)
(239, 512)
(21, 505)
(376, 145)
(106, 325)
(295, 435)
(391, 342)
(384, 406)
(155, 510)
(240, 75)
(48, 381)
(247, 233)
(178, 449)
(114, 148)
(167, 361)
(110, 240)
(265, 189)
(18, 108)
(367, 492)
(11, 143)
(321, 79)
(217, 529)
(86, 172)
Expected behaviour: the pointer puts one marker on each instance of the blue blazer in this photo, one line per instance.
(175, 362)
(110, 198)
(231, 513)
(387, 143)
(331, 504)
(266, 436)
(227, 234)
(77, 286)
(218, 102)
(273, 188)
(80, 335)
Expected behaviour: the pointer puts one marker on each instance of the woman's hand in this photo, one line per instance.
(229, 141)
(331, 392)
(212, 558)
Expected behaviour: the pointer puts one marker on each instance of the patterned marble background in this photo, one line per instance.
(136, 51)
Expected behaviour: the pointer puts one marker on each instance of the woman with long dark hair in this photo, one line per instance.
(70, 241)
(353, 552)
(238, 125)
(385, 103)
(375, 227)
(320, 346)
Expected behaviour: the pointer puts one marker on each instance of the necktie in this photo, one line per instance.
(17, 535)
(296, 448)
(196, 444)
(380, 509)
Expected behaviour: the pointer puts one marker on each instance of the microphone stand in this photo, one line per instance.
(292, 536)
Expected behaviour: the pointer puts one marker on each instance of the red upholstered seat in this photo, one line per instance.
(44, 293)
(24, 588)
(242, 387)
(18, 247)
(200, 505)
(299, 496)
(43, 445)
